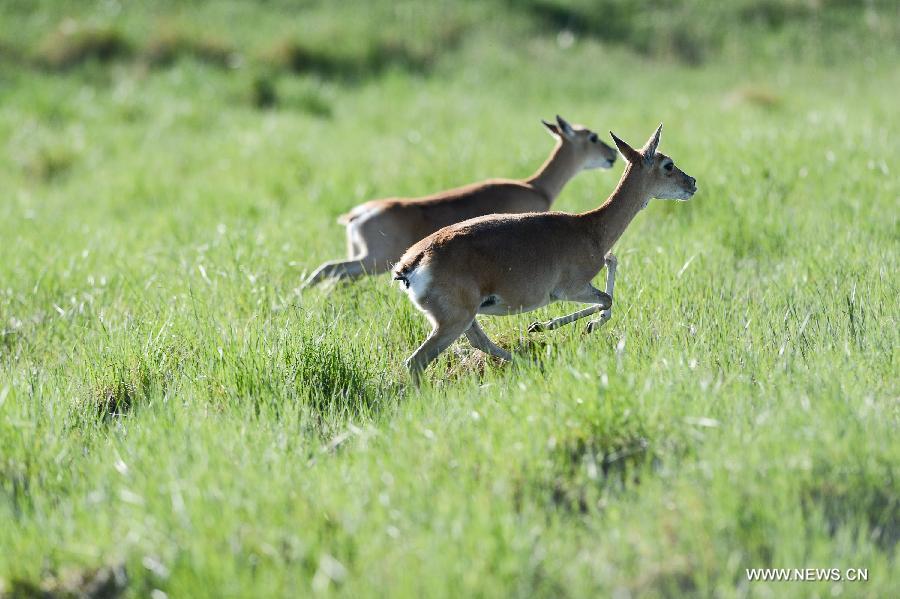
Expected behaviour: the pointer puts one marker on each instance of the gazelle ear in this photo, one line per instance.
(551, 127)
(649, 150)
(565, 128)
(628, 153)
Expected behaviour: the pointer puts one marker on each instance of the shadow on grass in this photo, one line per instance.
(585, 465)
(857, 498)
(585, 462)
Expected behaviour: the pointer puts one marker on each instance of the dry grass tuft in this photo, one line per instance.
(466, 361)
(122, 388)
(584, 464)
(73, 43)
(169, 43)
(115, 400)
(295, 56)
(49, 163)
(107, 582)
(755, 95)
(374, 57)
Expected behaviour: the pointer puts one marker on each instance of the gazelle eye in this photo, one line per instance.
(669, 166)
(593, 138)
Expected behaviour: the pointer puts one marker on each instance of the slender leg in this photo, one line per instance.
(602, 302)
(440, 339)
(345, 269)
(605, 315)
(538, 326)
(480, 340)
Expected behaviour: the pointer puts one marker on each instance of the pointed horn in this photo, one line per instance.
(551, 127)
(564, 126)
(628, 153)
(649, 150)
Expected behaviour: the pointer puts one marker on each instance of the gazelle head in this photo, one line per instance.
(585, 145)
(665, 181)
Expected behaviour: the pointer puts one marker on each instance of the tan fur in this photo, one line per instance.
(506, 264)
(379, 231)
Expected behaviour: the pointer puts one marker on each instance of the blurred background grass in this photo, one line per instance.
(345, 40)
(175, 416)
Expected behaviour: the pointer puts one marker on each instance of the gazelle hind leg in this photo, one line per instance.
(345, 269)
(611, 264)
(440, 338)
(479, 340)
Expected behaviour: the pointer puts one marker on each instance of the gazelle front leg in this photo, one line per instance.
(602, 302)
(590, 295)
(536, 327)
(611, 264)
(345, 269)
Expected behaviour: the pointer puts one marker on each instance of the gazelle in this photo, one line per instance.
(378, 232)
(508, 264)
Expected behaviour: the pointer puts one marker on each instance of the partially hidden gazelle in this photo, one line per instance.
(378, 232)
(508, 264)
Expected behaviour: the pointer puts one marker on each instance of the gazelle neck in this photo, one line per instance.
(553, 175)
(611, 219)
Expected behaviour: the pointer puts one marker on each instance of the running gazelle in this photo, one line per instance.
(378, 232)
(508, 264)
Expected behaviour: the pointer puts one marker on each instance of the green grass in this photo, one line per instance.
(176, 415)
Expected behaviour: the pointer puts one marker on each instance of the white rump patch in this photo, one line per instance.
(354, 230)
(419, 282)
(367, 214)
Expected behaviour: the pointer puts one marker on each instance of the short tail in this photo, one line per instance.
(402, 279)
(356, 212)
(403, 270)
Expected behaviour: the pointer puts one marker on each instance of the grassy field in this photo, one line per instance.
(176, 417)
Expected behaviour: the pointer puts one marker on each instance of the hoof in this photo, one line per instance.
(593, 325)
(536, 327)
